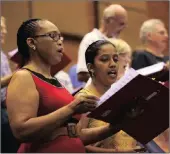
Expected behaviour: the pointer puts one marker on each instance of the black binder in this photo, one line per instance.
(143, 102)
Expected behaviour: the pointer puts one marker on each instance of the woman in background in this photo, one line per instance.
(125, 55)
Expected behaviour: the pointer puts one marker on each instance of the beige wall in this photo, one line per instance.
(15, 13)
(71, 48)
(78, 18)
(71, 17)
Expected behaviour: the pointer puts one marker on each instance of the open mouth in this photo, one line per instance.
(112, 73)
(60, 51)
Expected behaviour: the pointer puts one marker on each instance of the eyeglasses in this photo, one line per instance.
(53, 35)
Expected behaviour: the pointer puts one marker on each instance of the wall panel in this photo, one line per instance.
(70, 17)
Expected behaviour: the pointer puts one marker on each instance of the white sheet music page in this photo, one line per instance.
(130, 74)
(151, 69)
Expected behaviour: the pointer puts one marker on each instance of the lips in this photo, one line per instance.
(60, 50)
(112, 73)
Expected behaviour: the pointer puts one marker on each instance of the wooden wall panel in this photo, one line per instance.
(70, 17)
(160, 10)
(15, 13)
(71, 48)
(78, 18)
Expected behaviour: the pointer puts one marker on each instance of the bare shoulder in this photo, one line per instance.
(22, 77)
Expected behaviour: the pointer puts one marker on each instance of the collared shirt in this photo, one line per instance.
(88, 39)
(5, 70)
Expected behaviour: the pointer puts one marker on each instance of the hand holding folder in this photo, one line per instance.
(143, 102)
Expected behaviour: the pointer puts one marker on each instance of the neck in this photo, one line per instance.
(154, 50)
(37, 65)
(104, 31)
(97, 88)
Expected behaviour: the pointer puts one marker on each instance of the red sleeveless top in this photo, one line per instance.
(52, 96)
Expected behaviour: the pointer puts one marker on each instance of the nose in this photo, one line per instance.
(60, 42)
(166, 36)
(112, 63)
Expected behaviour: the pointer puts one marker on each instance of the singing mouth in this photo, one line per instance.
(60, 50)
(112, 73)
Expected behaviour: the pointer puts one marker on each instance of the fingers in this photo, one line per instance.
(86, 103)
(90, 105)
(88, 96)
(92, 97)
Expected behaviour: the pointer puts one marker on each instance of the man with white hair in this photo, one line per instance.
(114, 20)
(154, 37)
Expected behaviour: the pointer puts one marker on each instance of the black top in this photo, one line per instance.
(52, 81)
(143, 58)
(56, 83)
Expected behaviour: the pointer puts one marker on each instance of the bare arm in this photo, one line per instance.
(83, 124)
(22, 105)
(5, 81)
(93, 135)
(94, 149)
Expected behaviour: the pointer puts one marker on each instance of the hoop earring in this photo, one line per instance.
(92, 73)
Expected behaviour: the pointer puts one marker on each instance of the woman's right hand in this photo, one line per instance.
(83, 103)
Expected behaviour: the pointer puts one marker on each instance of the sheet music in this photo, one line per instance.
(130, 74)
(151, 69)
(13, 52)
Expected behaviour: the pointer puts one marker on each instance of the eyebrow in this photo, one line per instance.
(115, 54)
(54, 32)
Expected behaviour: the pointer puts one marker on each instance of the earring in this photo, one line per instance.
(33, 47)
(92, 73)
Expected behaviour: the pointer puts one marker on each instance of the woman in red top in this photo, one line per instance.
(42, 113)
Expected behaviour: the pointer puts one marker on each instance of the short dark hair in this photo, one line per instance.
(26, 30)
(92, 50)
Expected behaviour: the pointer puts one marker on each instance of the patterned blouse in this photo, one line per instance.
(119, 141)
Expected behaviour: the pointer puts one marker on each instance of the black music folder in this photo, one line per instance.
(143, 102)
(16, 57)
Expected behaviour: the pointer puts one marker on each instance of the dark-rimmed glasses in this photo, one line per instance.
(54, 36)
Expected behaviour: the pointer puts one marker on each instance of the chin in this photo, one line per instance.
(112, 81)
(55, 62)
